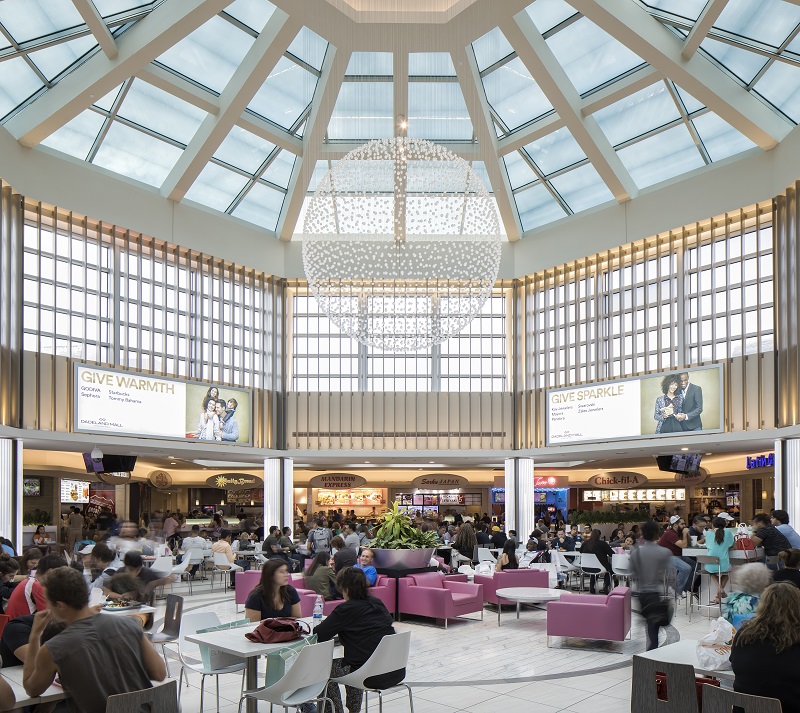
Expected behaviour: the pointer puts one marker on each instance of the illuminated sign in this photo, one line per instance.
(767, 461)
(234, 481)
(337, 481)
(440, 480)
(617, 479)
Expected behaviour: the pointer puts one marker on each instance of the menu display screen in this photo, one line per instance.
(74, 491)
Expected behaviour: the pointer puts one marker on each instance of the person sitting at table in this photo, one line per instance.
(747, 583)
(766, 535)
(273, 596)
(718, 542)
(40, 537)
(791, 567)
(602, 550)
(16, 638)
(765, 655)
(499, 537)
(8, 570)
(124, 585)
(29, 562)
(360, 622)
(562, 542)
(223, 544)
(482, 536)
(617, 537)
(96, 656)
(320, 577)
(292, 549)
(507, 558)
(530, 555)
(343, 556)
(135, 567)
(104, 565)
(28, 597)
(365, 565)
(465, 543)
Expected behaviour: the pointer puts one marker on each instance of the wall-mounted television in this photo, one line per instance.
(109, 464)
(31, 487)
(688, 463)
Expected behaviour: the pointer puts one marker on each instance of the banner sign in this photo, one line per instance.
(667, 404)
(127, 403)
(550, 481)
(440, 480)
(767, 461)
(451, 499)
(114, 478)
(617, 479)
(235, 481)
(336, 481)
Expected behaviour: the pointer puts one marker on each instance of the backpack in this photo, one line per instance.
(321, 540)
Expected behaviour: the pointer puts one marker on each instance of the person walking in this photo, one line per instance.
(649, 562)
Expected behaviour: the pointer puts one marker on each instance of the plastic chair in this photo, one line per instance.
(163, 698)
(171, 629)
(162, 565)
(590, 565)
(195, 556)
(681, 689)
(621, 564)
(700, 571)
(720, 700)
(304, 682)
(223, 567)
(191, 624)
(391, 655)
(260, 560)
(485, 556)
(182, 570)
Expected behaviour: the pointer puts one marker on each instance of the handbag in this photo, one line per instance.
(275, 631)
(699, 682)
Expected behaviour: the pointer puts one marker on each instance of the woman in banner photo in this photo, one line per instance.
(669, 405)
(212, 393)
(208, 427)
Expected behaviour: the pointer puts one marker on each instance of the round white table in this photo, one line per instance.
(526, 595)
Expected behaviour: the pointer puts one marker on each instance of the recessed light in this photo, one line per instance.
(173, 463)
(709, 454)
(684, 449)
(366, 461)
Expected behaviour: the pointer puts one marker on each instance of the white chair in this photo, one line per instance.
(485, 556)
(260, 560)
(196, 556)
(566, 565)
(189, 653)
(304, 682)
(223, 567)
(621, 564)
(591, 565)
(162, 565)
(182, 570)
(391, 655)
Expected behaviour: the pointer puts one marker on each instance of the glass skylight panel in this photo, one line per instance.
(480, 170)
(363, 110)
(17, 82)
(370, 64)
(582, 188)
(719, 137)
(137, 155)
(689, 9)
(76, 137)
(546, 14)
(491, 48)
(320, 169)
(590, 56)
(514, 94)
(780, 85)
(209, 55)
(738, 61)
(518, 170)
(253, 13)
(107, 8)
(216, 187)
(437, 111)
(28, 19)
(689, 102)
(555, 151)
(665, 155)
(161, 112)
(107, 101)
(244, 150)
(637, 114)
(52, 61)
(280, 170)
(536, 206)
(430, 64)
(309, 47)
(261, 206)
(285, 94)
(767, 21)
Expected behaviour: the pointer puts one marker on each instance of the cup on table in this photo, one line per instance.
(694, 540)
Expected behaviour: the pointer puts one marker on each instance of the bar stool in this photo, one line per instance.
(699, 570)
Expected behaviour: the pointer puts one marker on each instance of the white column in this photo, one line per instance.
(787, 478)
(520, 503)
(278, 492)
(11, 491)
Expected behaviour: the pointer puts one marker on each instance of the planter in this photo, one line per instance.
(396, 561)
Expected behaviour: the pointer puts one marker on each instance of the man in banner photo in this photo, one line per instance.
(692, 404)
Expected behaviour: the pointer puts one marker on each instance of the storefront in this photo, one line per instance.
(439, 494)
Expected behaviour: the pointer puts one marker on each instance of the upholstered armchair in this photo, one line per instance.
(384, 589)
(510, 578)
(246, 582)
(434, 595)
(590, 616)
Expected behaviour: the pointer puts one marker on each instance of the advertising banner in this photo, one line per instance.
(74, 491)
(129, 403)
(679, 402)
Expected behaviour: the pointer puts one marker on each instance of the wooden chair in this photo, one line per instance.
(681, 691)
(161, 699)
(721, 700)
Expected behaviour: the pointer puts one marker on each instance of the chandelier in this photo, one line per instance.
(401, 244)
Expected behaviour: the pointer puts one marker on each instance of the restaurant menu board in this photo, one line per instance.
(129, 403)
(74, 491)
(422, 499)
(351, 497)
(637, 408)
(635, 495)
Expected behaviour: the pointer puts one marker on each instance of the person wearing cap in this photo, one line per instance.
(780, 519)
(719, 541)
(674, 539)
(498, 537)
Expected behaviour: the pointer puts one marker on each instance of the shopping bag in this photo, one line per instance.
(281, 660)
(213, 657)
(714, 649)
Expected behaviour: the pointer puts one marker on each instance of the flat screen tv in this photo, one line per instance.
(31, 487)
(109, 464)
(688, 463)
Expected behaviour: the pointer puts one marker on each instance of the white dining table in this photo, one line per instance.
(526, 595)
(233, 642)
(748, 555)
(685, 651)
(13, 674)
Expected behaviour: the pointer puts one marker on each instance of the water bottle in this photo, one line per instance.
(317, 618)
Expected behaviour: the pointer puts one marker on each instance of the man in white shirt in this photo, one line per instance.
(195, 542)
(350, 538)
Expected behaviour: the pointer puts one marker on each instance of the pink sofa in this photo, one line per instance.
(590, 616)
(510, 578)
(384, 589)
(434, 595)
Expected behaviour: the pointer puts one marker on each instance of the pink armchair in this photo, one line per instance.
(589, 616)
(510, 578)
(434, 595)
(246, 582)
(384, 589)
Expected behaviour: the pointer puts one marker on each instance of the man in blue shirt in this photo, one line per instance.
(229, 428)
(780, 518)
(365, 565)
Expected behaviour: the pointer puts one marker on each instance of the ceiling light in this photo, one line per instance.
(401, 122)
(173, 463)
(412, 251)
(684, 449)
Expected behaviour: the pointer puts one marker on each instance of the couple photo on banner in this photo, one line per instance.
(680, 406)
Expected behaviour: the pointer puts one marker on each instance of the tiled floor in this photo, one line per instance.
(475, 666)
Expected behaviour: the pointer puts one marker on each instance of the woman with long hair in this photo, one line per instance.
(41, 537)
(765, 656)
(669, 405)
(602, 550)
(274, 596)
(466, 542)
(29, 562)
(791, 567)
(718, 545)
(320, 577)
(507, 558)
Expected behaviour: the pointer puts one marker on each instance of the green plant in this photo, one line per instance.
(601, 517)
(36, 517)
(398, 533)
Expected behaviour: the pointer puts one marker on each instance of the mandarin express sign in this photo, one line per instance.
(337, 481)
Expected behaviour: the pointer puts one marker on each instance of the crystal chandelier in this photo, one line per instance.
(401, 244)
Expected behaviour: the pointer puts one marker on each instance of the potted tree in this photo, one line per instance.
(399, 546)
